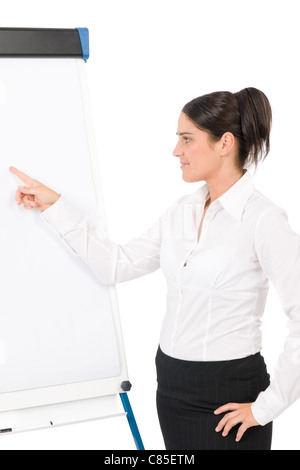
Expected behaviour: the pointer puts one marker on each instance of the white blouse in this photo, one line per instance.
(216, 287)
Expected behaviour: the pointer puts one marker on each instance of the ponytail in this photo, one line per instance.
(256, 120)
(246, 114)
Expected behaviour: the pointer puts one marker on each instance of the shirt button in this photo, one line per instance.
(184, 265)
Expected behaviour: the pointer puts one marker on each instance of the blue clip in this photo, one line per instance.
(84, 41)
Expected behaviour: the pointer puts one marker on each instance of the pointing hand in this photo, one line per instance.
(33, 194)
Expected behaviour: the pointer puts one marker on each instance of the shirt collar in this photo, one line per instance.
(235, 198)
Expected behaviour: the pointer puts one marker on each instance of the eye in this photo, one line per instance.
(187, 140)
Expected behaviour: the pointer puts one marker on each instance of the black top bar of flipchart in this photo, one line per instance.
(27, 42)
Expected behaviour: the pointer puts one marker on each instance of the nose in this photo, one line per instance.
(177, 150)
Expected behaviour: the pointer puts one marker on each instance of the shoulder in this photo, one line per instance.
(188, 198)
(184, 199)
(271, 225)
(261, 208)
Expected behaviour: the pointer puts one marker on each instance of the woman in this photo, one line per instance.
(218, 248)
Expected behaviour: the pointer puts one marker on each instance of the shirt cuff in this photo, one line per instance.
(267, 407)
(259, 414)
(62, 215)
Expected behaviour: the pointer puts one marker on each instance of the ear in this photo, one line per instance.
(227, 142)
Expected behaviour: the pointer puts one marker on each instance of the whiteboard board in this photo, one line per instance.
(60, 332)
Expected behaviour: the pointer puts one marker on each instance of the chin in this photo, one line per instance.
(190, 179)
(187, 180)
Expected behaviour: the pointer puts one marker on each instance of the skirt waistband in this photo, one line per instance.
(207, 385)
(229, 367)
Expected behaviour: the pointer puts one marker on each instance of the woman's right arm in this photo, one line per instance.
(111, 262)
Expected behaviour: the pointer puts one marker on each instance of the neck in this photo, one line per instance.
(219, 184)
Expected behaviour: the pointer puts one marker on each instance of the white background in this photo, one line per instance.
(148, 59)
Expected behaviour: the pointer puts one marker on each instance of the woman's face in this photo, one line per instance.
(199, 156)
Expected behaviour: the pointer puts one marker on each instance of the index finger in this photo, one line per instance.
(25, 178)
(227, 407)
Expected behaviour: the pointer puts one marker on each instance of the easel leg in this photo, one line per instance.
(131, 420)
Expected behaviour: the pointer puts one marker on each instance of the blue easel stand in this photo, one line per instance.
(85, 42)
(131, 420)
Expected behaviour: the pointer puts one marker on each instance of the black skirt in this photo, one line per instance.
(189, 392)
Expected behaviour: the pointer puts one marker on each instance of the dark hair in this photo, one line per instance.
(246, 114)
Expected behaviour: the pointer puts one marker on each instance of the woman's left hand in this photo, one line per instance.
(240, 413)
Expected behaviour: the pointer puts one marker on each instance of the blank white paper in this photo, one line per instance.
(55, 317)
